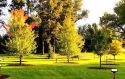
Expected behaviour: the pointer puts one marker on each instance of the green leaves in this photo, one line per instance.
(22, 40)
(68, 39)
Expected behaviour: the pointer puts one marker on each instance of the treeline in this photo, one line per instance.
(51, 25)
(53, 29)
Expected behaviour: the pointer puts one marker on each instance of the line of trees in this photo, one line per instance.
(55, 31)
(107, 37)
(52, 29)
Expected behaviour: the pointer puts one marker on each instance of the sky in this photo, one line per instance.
(96, 9)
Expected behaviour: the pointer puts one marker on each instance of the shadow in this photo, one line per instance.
(102, 68)
(20, 65)
(18, 61)
(14, 61)
(67, 62)
(107, 61)
(2, 76)
(110, 64)
(37, 58)
(116, 59)
(84, 59)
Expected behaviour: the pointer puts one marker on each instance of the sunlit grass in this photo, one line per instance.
(42, 68)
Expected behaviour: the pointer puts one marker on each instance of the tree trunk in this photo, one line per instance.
(43, 47)
(114, 59)
(106, 59)
(50, 50)
(54, 45)
(20, 59)
(100, 61)
(68, 58)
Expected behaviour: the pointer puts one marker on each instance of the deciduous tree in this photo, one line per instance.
(116, 48)
(22, 41)
(69, 41)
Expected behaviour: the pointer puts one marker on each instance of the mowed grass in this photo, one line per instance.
(41, 68)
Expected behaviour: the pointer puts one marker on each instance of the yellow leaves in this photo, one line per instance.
(53, 3)
(18, 1)
(68, 37)
(116, 47)
(18, 18)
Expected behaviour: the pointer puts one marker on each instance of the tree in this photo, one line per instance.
(2, 43)
(69, 41)
(52, 14)
(116, 20)
(86, 32)
(112, 22)
(22, 41)
(17, 4)
(99, 41)
(115, 48)
(120, 10)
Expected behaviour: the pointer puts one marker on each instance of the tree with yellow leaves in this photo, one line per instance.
(53, 13)
(22, 41)
(69, 41)
(116, 48)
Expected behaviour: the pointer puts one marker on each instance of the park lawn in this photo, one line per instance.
(49, 69)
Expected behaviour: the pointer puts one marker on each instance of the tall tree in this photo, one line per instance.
(112, 22)
(22, 41)
(17, 4)
(116, 20)
(52, 14)
(120, 10)
(99, 40)
(3, 39)
(69, 41)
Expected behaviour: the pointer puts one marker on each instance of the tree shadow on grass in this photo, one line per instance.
(110, 64)
(84, 59)
(13, 61)
(3, 76)
(18, 61)
(102, 68)
(20, 65)
(116, 59)
(67, 62)
(37, 58)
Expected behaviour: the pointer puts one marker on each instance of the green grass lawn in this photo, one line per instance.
(48, 68)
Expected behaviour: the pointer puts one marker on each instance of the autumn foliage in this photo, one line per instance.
(18, 19)
(116, 47)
